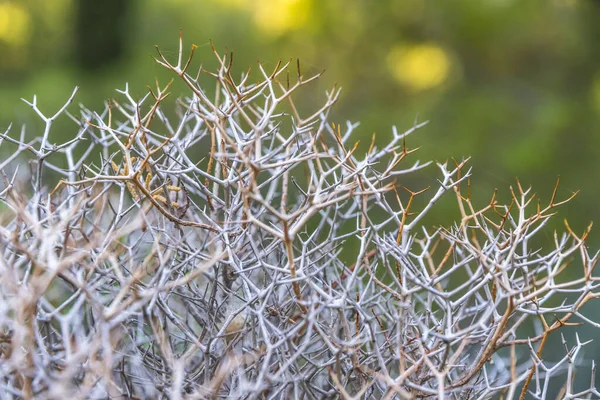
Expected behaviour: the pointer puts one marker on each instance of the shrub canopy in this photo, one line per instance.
(205, 256)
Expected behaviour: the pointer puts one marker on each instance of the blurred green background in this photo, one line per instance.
(513, 84)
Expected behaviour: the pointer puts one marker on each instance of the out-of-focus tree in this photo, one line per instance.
(100, 31)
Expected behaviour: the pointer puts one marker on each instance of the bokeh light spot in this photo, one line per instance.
(279, 16)
(419, 67)
(14, 24)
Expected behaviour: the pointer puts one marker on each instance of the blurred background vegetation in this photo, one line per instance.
(513, 84)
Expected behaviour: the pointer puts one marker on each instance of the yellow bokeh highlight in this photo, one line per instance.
(419, 67)
(279, 16)
(15, 24)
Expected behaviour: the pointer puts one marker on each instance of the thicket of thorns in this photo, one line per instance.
(201, 256)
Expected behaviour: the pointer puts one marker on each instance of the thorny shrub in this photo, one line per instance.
(202, 257)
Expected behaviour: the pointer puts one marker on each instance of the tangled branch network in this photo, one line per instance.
(206, 255)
